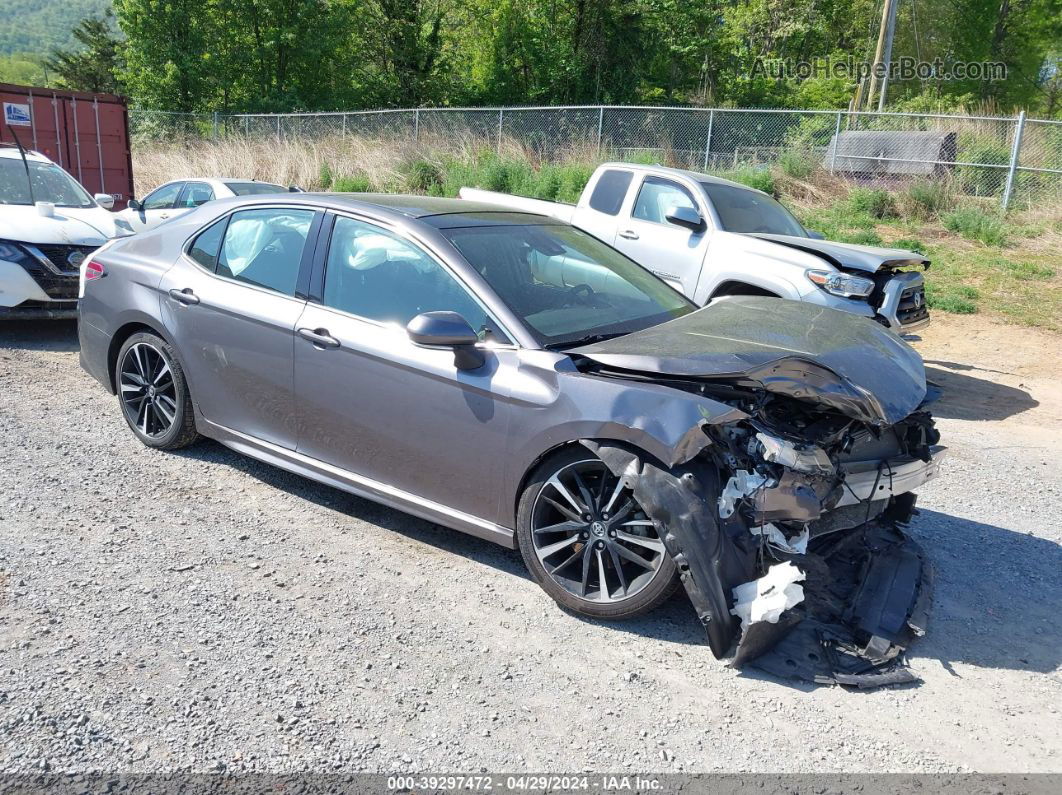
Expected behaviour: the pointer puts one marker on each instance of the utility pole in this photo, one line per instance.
(887, 56)
(883, 52)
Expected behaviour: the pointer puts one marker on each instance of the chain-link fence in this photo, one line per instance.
(1013, 159)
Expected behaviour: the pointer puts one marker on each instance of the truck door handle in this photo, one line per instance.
(630, 234)
(185, 296)
(319, 337)
(164, 215)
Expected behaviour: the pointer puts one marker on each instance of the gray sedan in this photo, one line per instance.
(508, 375)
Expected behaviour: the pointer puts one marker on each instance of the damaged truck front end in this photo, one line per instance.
(787, 525)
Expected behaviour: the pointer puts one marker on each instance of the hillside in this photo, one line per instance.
(37, 26)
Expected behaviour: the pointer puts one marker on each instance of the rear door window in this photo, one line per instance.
(264, 247)
(610, 190)
(195, 194)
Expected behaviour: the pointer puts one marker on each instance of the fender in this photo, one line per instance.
(663, 422)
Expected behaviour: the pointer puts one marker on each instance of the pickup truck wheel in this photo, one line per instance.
(588, 542)
(154, 394)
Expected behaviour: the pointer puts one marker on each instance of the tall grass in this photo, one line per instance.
(437, 165)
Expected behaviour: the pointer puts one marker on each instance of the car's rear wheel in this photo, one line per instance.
(153, 393)
(588, 542)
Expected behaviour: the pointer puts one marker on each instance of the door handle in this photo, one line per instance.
(629, 234)
(319, 337)
(185, 296)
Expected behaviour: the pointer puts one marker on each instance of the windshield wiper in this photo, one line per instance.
(589, 339)
(25, 164)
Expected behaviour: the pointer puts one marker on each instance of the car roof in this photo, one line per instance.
(433, 210)
(680, 172)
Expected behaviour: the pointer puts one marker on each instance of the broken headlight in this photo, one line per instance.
(841, 284)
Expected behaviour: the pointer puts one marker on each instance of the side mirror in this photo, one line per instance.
(295, 189)
(815, 235)
(685, 216)
(104, 200)
(447, 330)
(134, 204)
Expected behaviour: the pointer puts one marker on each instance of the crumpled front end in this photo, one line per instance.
(788, 531)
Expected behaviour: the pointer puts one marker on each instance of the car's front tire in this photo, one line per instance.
(153, 393)
(577, 527)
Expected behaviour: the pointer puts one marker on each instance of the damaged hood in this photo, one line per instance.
(848, 256)
(811, 353)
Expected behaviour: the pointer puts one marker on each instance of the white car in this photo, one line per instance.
(49, 224)
(179, 196)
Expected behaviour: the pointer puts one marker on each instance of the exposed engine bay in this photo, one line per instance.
(788, 525)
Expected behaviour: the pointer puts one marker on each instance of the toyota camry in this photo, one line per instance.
(507, 375)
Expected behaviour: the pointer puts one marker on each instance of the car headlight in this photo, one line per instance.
(13, 252)
(841, 284)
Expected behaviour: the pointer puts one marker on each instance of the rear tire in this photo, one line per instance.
(576, 525)
(153, 393)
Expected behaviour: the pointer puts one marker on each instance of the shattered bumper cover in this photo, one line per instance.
(837, 603)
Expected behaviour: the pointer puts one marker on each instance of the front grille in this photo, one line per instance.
(912, 307)
(59, 255)
(56, 287)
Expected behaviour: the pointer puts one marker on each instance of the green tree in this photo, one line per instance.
(166, 52)
(24, 69)
(97, 64)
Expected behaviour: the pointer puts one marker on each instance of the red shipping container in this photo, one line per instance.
(86, 134)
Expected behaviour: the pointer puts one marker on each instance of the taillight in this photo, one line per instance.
(94, 270)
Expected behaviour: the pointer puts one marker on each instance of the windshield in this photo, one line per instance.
(567, 286)
(50, 184)
(744, 210)
(254, 188)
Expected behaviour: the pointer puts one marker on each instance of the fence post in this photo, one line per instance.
(836, 140)
(215, 127)
(278, 128)
(501, 120)
(246, 127)
(416, 124)
(708, 140)
(600, 124)
(1015, 151)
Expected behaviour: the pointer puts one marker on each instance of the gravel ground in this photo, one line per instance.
(202, 611)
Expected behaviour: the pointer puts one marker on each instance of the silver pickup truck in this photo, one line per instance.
(711, 237)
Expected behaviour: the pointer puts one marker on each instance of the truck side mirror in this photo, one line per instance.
(104, 200)
(685, 216)
(134, 204)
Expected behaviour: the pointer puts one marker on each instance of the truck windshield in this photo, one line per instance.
(50, 184)
(743, 210)
(567, 287)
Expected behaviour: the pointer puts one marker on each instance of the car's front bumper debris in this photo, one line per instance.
(837, 602)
